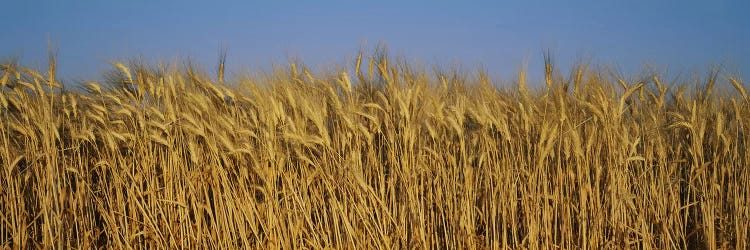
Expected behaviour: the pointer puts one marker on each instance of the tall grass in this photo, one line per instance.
(383, 156)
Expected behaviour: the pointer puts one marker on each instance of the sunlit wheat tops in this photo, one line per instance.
(380, 154)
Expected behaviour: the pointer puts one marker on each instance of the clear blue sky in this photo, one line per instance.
(679, 35)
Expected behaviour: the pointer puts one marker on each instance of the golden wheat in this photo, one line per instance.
(163, 157)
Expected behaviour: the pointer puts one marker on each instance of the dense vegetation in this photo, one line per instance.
(380, 155)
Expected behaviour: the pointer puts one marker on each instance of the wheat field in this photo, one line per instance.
(381, 154)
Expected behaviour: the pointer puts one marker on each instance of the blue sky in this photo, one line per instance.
(499, 36)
